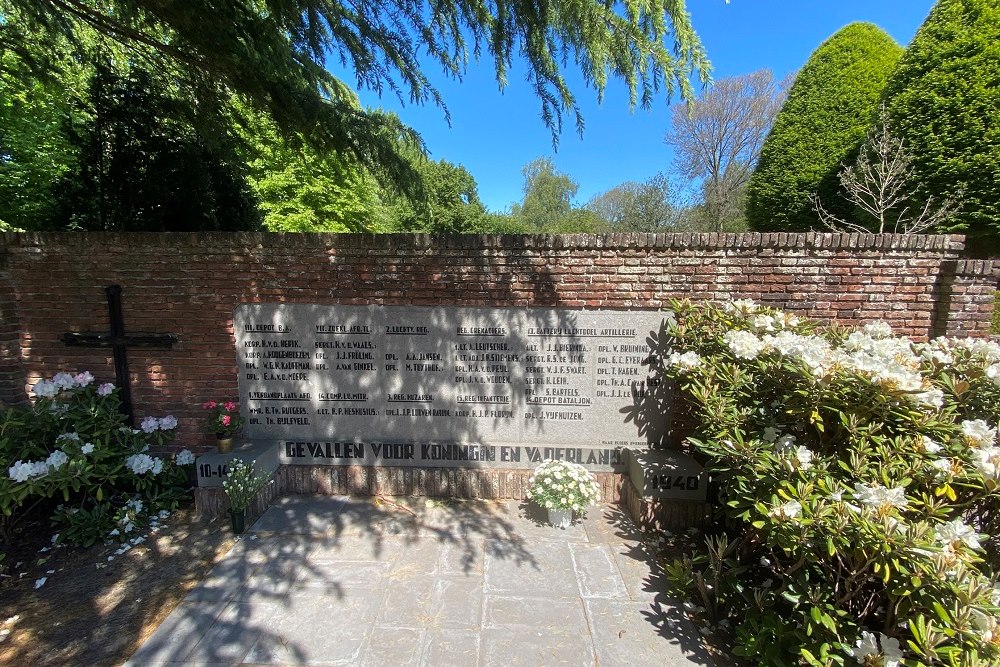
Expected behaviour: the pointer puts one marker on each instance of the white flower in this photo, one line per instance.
(88, 448)
(986, 626)
(22, 471)
(763, 322)
(64, 380)
(877, 330)
(787, 511)
(993, 373)
(880, 498)
(150, 424)
(686, 361)
(942, 468)
(979, 433)
(804, 457)
(743, 344)
(956, 530)
(57, 459)
(143, 463)
(83, 379)
(742, 306)
(932, 398)
(168, 423)
(105, 389)
(184, 457)
(67, 437)
(45, 389)
(929, 446)
(867, 650)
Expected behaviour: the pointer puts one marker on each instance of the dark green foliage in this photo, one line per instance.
(274, 54)
(547, 207)
(139, 168)
(452, 205)
(829, 110)
(944, 102)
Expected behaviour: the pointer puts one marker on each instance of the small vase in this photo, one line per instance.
(224, 443)
(560, 518)
(239, 518)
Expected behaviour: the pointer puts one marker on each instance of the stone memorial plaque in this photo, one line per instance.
(445, 386)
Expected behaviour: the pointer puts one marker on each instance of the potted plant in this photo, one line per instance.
(561, 488)
(224, 421)
(241, 486)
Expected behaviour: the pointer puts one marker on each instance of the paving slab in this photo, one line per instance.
(348, 581)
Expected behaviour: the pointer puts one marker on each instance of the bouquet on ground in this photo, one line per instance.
(223, 418)
(242, 484)
(562, 485)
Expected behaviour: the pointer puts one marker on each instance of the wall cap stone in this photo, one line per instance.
(685, 241)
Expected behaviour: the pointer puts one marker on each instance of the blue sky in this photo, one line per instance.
(494, 134)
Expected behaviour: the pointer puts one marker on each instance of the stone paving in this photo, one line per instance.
(343, 581)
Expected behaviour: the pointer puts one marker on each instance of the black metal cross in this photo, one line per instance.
(118, 341)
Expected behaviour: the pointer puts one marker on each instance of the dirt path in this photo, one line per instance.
(85, 615)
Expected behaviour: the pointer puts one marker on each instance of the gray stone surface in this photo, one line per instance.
(463, 583)
(401, 385)
(212, 467)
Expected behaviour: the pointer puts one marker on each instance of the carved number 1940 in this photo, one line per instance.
(677, 482)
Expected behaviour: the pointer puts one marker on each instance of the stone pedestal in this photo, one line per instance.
(671, 475)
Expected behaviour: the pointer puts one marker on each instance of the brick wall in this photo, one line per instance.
(189, 285)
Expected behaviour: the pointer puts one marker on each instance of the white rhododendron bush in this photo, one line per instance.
(71, 459)
(856, 479)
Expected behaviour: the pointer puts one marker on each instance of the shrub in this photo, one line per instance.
(829, 109)
(855, 472)
(73, 447)
(943, 100)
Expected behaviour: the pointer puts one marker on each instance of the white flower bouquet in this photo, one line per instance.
(563, 485)
(241, 484)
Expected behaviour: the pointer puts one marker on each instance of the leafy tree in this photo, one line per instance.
(547, 207)
(35, 151)
(639, 207)
(830, 107)
(273, 55)
(944, 101)
(452, 204)
(138, 169)
(300, 190)
(717, 139)
(548, 195)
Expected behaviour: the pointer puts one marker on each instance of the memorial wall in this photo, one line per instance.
(448, 386)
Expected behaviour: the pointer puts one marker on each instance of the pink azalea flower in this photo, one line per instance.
(209, 405)
(231, 407)
(226, 420)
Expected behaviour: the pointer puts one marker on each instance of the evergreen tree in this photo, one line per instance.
(821, 126)
(943, 101)
(274, 55)
(139, 169)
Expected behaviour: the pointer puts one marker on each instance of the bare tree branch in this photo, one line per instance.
(717, 139)
(881, 183)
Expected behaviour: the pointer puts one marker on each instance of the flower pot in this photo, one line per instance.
(239, 520)
(224, 443)
(560, 518)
